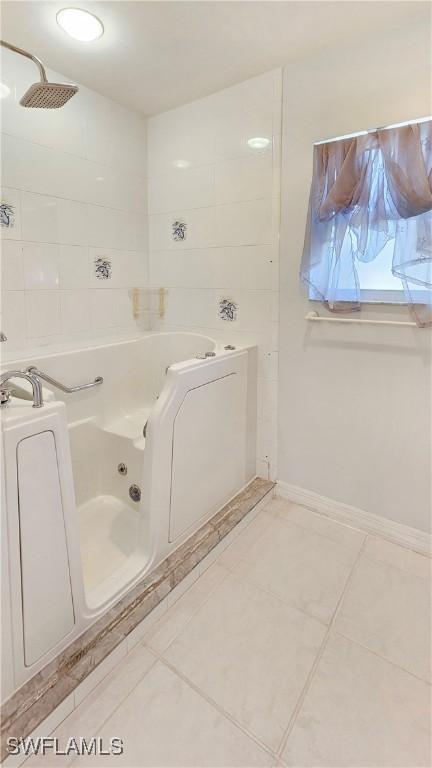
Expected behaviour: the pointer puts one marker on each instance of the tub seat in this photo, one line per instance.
(130, 426)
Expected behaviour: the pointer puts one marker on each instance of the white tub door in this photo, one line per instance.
(47, 606)
(208, 452)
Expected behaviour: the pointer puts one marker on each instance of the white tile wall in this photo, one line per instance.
(203, 172)
(43, 314)
(77, 181)
(11, 197)
(76, 178)
(73, 266)
(12, 272)
(41, 266)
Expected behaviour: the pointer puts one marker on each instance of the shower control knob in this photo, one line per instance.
(5, 396)
(135, 492)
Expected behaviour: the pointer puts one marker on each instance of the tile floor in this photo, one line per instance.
(306, 643)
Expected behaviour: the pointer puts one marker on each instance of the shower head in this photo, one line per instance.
(43, 95)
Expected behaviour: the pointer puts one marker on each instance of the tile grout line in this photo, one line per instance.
(162, 619)
(119, 704)
(383, 658)
(273, 595)
(164, 615)
(90, 693)
(368, 534)
(375, 559)
(390, 539)
(227, 715)
(26, 191)
(188, 681)
(51, 148)
(319, 655)
(175, 211)
(246, 578)
(318, 533)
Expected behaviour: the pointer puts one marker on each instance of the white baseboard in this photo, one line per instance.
(358, 518)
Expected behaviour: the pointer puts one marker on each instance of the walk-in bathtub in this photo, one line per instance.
(103, 483)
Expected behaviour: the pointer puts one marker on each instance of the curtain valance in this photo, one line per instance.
(370, 192)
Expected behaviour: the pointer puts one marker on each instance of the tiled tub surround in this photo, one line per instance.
(294, 648)
(77, 180)
(204, 174)
(34, 701)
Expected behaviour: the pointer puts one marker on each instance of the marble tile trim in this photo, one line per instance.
(38, 697)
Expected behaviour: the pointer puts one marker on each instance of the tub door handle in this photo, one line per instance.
(32, 369)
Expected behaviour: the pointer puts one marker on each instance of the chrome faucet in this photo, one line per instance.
(3, 336)
(5, 393)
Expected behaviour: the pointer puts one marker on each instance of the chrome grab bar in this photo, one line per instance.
(63, 387)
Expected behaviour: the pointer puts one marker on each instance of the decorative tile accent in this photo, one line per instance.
(103, 268)
(179, 230)
(40, 695)
(7, 215)
(228, 309)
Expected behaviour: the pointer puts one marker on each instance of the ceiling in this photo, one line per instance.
(158, 55)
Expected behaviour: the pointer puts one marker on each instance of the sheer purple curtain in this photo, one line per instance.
(367, 193)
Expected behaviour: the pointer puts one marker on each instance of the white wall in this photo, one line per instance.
(77, 180)
(203, 173)
(354, 402)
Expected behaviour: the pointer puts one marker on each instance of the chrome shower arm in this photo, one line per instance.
(30, 56)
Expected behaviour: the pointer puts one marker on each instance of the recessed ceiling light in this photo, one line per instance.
(258, 142)
(4, 91)
(181, 164)
(80, 24)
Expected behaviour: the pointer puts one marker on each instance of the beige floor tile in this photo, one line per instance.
(303, 568)
(164, 722)
(251, 654)
(361, 711)
(161, 634)
(299, 515)
(232, 555)
(399, 557)
(86, 720)
(389, 611)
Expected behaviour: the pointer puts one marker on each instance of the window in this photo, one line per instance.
(369, 230)
(377, 282)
